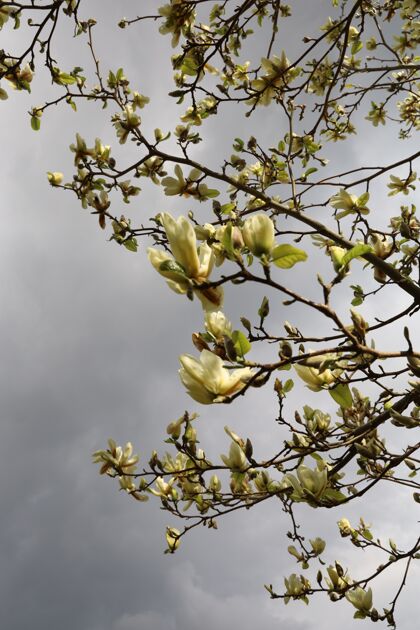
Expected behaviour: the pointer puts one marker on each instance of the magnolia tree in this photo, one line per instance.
(270, 207)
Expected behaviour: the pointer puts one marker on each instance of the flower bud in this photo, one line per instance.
(217, 324)
(55, 178)
(258, 234)
(215, 484)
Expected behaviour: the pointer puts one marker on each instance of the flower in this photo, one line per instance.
(175, 185)
(278, 73)
(183, 243)
(178, 19)
(206, 379)
(361, 599)
(172, 539)
(345, 528)
(217, 324)
(314, 378)
(318, 545)
(337, 580)
(309, 484)
(163, 489)
(296, 587)
(80, 150)
(55, 178)
(189, 266)
(125, 123)
(117, 459)
(236, 460)
(4, 14)
(258, 234)
(349, 203)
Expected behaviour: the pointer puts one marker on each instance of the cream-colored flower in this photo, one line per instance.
(278, 73)
(163, 489)
(211, 299)
(236, 460)
(336, 581)
(296, 587)
(258, 234)
(5, 12)
(217, 324)
(183, 243)
(189, 266)
(206, 379)
(345, 528)
(173, 539)
(313, 481)
(318, 545)
(55, 178)
(309, 483)
(361, 599)
(314, 379)
(117, 459)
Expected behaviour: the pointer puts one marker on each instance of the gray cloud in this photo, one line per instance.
(90, 338)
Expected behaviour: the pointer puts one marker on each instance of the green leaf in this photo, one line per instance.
(241, 343)
(35, 123)
(355, 252)
(342, 395)
(333, 497)
(286, 256)
(173, 266)
(227, 240)
(288, 386)
(131, 244)
(363, 199)
(356, 47)
(359, 615)
(238, 144)
(211, 192)
(227, 208)
(63, 78)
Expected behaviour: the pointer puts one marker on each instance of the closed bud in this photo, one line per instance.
(215, 484)
(258, 234)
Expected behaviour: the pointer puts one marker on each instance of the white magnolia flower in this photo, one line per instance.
(258, 234)
(314, 379)
(308, 484)
(217, 324)
(206, 378)
(236, 460)
(189, 266)
(361, 599)
(183, 243)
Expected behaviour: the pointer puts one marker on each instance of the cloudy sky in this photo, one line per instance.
(89, 340)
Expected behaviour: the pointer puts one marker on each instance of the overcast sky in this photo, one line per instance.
(90, 339)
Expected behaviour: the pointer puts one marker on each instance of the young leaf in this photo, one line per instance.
(286, 256)
(35, 123)
(241, 343)
(342, 395)
(355, 252)
(131, 244)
